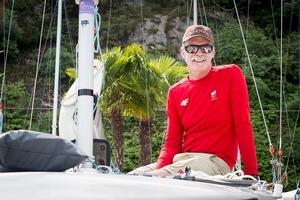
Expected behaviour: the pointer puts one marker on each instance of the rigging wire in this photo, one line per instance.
(291, 133)
(108, 25)
(279, 52)
(222, 8)
(247, 27)
(204, 12)
(37, 65)
(200, 11)
(275, 33)
(145, 71)
(47, 84)
(4, 32)
(69, 33)
(281, 81)
(43, 53)
(206, 21)
(6, 51)
(174, 47)
(253, 76)
(189, 11)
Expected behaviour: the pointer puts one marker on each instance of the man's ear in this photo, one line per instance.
(213, 53)
(182, 52)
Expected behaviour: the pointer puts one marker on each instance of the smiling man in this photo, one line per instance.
(208, 115)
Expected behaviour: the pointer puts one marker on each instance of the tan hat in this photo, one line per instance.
(198, 31)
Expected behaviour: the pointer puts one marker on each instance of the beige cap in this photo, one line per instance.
(198, 31)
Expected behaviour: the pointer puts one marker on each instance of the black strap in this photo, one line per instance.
(85, 92)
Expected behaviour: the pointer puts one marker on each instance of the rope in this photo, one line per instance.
(252, 73)
(37, 65)
(97, 20)
(6, 51)
(103, 169)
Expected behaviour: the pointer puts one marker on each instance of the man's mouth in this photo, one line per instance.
(198, 59)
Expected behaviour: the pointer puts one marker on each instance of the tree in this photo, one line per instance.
(115, 64)
(147, 90)
(15, 100)
(137, 88)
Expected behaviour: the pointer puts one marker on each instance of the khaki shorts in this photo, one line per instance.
(199, 162)
(207, 163)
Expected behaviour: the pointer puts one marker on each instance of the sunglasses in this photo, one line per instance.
(205, 48)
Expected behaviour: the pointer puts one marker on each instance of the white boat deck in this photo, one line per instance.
(93, 185)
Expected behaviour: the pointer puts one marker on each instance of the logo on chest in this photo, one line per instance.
(184, 102)
(213, 95)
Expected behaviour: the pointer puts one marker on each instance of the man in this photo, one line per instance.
(208, 115)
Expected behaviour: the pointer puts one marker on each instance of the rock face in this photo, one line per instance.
(159, 32)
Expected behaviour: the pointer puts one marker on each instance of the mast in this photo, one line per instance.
(195, 12)
(85, 77)
(57, 63)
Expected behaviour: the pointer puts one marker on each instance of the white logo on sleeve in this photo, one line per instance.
(184, 102)
(213, 95)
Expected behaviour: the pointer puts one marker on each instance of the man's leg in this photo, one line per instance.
(143, 169)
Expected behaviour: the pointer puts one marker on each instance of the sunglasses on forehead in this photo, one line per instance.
(205, 48)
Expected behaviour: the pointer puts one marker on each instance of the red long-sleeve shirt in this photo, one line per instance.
(211, 115)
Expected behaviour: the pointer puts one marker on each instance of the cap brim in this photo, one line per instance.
(193, 36)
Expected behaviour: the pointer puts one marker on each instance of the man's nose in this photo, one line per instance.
(199, 52)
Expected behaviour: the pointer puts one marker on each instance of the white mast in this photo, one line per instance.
(195, 12)
(85, 77)
(57, 63)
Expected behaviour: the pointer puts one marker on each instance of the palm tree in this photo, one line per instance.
(138, 104)
(115, 64)
(111, 95)
(136, 86)
(146, 91)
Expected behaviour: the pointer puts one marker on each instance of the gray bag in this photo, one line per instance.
(35, 151)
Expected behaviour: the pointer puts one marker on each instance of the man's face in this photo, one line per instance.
(197, 53)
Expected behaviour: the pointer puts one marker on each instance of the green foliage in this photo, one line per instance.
(15, 104)
(48, 65)
(131, 145)
(138, 85)
(71, 73)
(43, 121)
(15, 34)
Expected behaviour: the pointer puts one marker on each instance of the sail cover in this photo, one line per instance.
(68, 110)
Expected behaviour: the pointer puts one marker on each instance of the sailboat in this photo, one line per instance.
(89, 183)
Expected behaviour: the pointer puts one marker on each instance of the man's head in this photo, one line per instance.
(198, 50)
